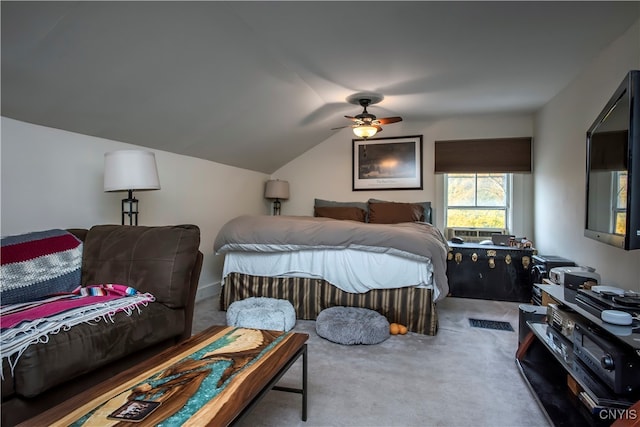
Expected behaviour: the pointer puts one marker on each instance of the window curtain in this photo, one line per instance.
(495, 155)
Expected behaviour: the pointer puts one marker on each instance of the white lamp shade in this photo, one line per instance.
(276, 189)
(130, 170)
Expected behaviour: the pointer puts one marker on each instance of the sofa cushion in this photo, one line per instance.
(38, 264)
(7, 382)
(158, 260)
(87, 347)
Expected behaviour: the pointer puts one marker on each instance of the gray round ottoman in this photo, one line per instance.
(262, 313)
(352, 325)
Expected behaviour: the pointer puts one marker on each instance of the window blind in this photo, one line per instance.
(494, 155)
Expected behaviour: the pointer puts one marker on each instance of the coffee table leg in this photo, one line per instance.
(303, 390)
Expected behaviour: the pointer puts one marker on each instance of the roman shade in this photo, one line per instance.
(495, 155)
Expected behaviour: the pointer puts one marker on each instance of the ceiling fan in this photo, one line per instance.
(366, 124)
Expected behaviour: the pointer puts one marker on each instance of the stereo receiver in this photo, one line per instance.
(614, 364)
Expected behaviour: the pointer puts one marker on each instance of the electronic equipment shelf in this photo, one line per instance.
(564, 387)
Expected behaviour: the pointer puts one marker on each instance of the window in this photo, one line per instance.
(620, 200)
(478, 200)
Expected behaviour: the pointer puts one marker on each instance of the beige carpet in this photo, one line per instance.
(464, 376)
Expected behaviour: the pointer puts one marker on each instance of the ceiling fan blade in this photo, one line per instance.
(389, 120)
(367, 119)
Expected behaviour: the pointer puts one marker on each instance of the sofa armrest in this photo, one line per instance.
(191, 302)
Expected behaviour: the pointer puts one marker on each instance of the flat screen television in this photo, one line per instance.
(613, 169)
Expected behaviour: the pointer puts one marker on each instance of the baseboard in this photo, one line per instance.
(208, 291)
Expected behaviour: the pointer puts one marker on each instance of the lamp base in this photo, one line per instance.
(130, 209)
(276, 207)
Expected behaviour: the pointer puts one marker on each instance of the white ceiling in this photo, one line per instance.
(255, 84)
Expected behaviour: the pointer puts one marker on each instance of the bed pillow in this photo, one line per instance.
(393, 213)
(331, 204)
(341, 212)
(426, 206)
(39, 264)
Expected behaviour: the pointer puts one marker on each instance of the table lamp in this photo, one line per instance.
(128, 170)
(276, 190)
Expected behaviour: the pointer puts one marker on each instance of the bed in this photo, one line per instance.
(340, 257)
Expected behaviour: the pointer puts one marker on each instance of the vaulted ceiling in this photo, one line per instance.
(256, 84)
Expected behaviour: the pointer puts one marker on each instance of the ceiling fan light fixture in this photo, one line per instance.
(365, 131)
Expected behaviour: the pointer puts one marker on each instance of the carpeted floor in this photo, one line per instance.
(464, 376)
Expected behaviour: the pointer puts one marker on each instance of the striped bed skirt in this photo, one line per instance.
(409, 306)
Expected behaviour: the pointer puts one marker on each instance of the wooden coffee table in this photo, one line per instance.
(213, 378)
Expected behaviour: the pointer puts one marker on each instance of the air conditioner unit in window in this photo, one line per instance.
(473, 235)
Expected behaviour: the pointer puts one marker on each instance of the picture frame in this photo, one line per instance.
(393, 163)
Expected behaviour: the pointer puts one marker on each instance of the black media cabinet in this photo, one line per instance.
(565, 388)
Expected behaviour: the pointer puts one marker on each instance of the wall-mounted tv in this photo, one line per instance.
(613, 169)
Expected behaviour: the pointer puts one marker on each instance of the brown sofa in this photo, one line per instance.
(164, 261)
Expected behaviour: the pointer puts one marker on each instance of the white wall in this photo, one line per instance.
(54, 179)
(560, 164)
(324, 172)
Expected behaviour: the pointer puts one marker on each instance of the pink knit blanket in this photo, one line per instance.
(30, 323)
(14, 314)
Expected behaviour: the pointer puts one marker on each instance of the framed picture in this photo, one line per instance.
(387, 163)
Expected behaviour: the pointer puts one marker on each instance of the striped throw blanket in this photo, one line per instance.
(29, 323)
(39, 264)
